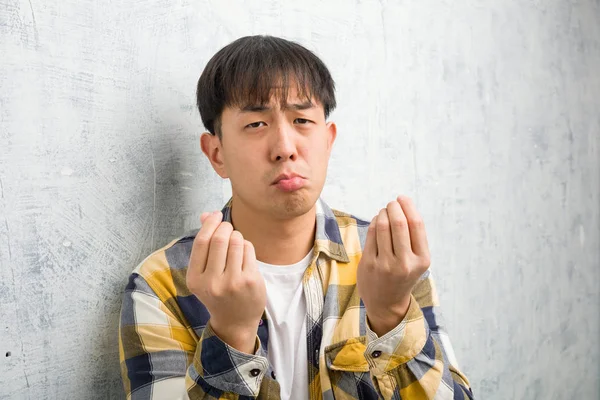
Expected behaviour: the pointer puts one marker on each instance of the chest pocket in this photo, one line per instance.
(348, 370)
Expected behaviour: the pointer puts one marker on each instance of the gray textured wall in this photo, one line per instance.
(486, 112)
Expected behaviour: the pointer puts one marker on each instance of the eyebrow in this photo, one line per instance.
(262, 107)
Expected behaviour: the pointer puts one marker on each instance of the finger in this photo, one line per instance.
(399, 226)
(217, 254)
(235, 254)
(418, 235)
(249, 256)
(370, 247)
(200, 248)
(204, 216)
(384, 234)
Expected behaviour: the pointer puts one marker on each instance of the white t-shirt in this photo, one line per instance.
(286, 312)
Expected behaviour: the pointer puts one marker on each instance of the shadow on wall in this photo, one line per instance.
(174, 183)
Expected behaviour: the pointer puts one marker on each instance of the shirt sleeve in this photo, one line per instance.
(416, 359)
(162, 358)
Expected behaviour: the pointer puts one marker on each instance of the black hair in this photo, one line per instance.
(245, 72)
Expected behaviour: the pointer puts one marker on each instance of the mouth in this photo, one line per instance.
(289, 182)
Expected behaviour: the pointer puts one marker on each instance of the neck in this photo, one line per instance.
(276, 241)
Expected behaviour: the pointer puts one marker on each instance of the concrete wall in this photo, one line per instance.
(486, 112)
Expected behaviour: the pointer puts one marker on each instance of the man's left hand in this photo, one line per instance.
(395, 255)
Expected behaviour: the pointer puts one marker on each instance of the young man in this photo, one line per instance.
(277, 295)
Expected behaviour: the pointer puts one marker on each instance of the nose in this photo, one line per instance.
(284, 146)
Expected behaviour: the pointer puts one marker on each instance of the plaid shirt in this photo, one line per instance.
(168, 350)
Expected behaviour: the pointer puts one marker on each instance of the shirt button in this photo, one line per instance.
(255, 372)
(273, 375)
(376, 354)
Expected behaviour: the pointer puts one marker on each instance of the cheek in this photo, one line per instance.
(304, 150)
(242, 163)
(317, 159)
(316, 151)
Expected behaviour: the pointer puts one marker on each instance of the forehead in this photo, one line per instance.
(279, 99)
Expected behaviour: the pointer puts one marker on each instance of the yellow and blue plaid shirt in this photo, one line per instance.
(168, 350)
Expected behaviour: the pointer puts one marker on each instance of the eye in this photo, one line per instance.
(302, 121)
(254, 124)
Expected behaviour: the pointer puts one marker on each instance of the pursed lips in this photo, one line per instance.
(289, 182)
(287, 176)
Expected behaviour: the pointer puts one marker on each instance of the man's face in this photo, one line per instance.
(262, 143)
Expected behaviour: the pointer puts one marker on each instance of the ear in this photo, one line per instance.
(213, 149)
(331, 135)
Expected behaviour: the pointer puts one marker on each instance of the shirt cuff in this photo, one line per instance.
(399, 345)
(225, 368)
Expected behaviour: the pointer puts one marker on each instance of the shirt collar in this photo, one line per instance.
(328, 238)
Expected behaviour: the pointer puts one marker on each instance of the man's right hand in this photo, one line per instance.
(223, 274)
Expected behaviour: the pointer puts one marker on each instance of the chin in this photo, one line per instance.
(294, 204)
